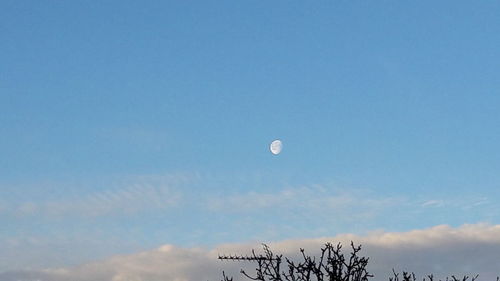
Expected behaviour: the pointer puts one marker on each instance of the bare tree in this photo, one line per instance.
(331, 265)
(407, 276)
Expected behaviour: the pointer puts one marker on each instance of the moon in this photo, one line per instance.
(276, 147)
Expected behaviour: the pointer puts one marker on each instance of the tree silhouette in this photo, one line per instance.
(331, 265)
(407, 276)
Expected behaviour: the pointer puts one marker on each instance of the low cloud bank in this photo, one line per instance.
(441, 250)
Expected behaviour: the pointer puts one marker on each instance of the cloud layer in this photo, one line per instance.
(441, 250)
(130, 214)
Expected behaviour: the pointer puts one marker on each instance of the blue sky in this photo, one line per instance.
(127, 125)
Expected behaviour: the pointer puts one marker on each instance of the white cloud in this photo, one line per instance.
(442, 250)
(313, 198)
(131, 198)
(433, 203)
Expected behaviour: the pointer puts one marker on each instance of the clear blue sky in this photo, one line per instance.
(385, 108)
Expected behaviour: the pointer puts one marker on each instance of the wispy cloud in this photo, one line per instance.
(129, 198)
(433, 203)
(313, 197)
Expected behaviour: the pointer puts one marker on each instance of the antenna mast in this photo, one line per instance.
(247, 258)
(254, 257)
